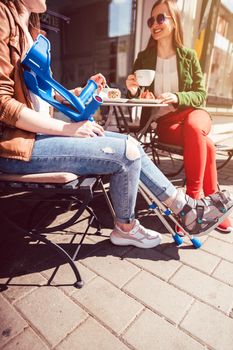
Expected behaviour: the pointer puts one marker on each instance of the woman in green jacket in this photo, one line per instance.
(179, 83)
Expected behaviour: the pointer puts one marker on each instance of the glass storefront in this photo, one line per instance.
(91, 36)
(220, 87)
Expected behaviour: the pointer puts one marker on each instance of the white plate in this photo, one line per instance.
(122, 100)
(144, 100)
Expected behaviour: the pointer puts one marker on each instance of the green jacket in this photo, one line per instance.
(191, 86)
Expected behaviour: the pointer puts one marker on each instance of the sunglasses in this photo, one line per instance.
(159, 19)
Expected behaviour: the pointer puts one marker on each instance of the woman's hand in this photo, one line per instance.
(84, 129)
(100, 81)
(147, 94)
(98, 78)
(77, 91)
(33, 121)
(168, 97)
(132, 84)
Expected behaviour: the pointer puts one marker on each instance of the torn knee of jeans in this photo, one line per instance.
(133, 140)
(132, 152)
(108, 150)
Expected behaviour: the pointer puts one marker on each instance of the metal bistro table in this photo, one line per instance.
(146, 136)
(123, 123)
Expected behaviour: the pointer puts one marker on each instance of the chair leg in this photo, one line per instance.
(35, 236)
(79, 282)
(230, 155)
(107, 199)
(69, 222)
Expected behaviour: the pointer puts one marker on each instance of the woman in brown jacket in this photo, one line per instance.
(33, 142)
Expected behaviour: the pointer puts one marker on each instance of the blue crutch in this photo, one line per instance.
(37, 76)
(162, 212)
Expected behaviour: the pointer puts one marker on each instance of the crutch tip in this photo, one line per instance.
(177, 239)
(196, 242)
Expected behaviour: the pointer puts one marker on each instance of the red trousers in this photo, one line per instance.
(189, 128)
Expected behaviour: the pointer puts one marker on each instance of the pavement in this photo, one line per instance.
(164, 298)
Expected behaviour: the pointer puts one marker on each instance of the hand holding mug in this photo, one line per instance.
(141, 78)
(132, 84)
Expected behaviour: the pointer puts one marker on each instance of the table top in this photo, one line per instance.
(124, 102)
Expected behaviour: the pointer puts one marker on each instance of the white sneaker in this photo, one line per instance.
(139, 236)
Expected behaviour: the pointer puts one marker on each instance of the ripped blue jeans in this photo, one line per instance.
(114, 154)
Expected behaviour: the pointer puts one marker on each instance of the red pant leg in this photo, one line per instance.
(210, 181)
(189, 128)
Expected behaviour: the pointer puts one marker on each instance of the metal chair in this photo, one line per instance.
(61, 191)
(221, 148)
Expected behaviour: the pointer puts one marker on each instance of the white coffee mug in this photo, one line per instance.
(144, 77)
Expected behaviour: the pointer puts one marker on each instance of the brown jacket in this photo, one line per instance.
(14, 143)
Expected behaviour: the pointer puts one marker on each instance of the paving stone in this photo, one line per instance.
(109, 264)
(222, 236)
(150, 331)
(61, 215)
(21, 257)
(160, 296)
(202, 286)
(195, 257)
(65, 277)
(11, 323)
(224, 272)
(89, 336)
(108, 303)
(219, 248)
(27, 340)
(22, 285)
(167, 241)
(66, 238)
(52, 313)
(154, 261)
(105, 233)
(210, 326)
(69, 242)
(74, 236)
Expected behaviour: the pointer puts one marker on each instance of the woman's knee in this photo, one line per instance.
(133, 149)
(198, 121)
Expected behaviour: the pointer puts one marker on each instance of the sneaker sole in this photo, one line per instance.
(125, 242)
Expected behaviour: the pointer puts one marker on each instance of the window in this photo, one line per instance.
(91, 36)
(220, 88)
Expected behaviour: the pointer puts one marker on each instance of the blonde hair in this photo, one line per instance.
(178, 37)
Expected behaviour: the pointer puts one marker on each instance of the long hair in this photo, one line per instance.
(178, 37)
(34, 17)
